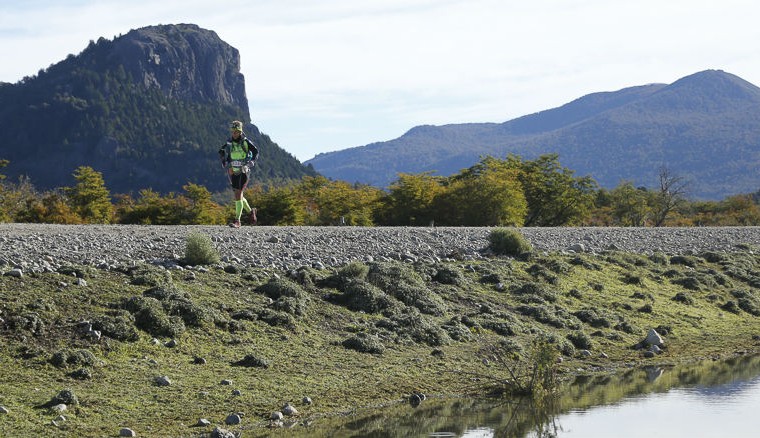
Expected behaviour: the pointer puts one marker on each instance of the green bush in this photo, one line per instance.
(508, 241)
(364, 343)
(403, 283)
(199, 250)
(580, 340)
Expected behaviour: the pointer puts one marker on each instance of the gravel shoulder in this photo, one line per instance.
(34, 245)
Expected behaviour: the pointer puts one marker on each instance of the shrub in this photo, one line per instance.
(353, 270)
(508, 241)
(747, 302)
(683, 297)
(120, 326)
(251, 361)
(199, 250)
(148, 275)
(448, 275)
(151, 317)
(534, 292)
(364, 343)
(592, 318)
(580, 340)
(410, 324)
(457, 331)
(64, 358)
(401, 282)
(281, 287)
(359, 295)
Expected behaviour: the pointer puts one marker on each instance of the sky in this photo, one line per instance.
(326, 75)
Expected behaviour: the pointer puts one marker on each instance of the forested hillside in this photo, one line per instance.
(148, 109)
(704, 127)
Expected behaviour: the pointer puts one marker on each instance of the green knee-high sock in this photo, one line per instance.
(238, 209)
(246, 206)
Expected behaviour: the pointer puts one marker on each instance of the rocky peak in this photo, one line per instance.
(184, 61)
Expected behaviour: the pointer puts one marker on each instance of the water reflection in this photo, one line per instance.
(653, 401)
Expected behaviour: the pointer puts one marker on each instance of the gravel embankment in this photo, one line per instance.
(40, 246)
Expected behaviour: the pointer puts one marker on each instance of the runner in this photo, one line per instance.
(238, 156)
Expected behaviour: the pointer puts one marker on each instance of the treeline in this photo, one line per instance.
(493, 192)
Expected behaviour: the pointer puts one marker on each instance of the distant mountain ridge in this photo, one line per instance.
(148, 109)
(704, 127)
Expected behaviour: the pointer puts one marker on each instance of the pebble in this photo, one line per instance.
(111, 246)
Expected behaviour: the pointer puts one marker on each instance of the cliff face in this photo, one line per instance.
(184, 62)
(148, 109)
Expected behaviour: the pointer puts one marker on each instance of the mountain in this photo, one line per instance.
(148, 109)
(704, 127)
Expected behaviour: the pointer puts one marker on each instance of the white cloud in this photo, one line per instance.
(337, 73)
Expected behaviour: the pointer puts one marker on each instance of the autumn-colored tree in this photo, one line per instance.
(486, 194)
(278, 206)
(90, 198)
(340, 203)
(202, 209)
(630, 205)
(410, 199)
(4, 215)
(149, 209)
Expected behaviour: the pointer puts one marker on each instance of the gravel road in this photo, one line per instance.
(41, 246)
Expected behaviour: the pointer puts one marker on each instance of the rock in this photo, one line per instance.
(276, 416)
(125, 431)
(171, 344)
(654, 338)
(232, 419)
(163, 381)
(203, 423)
(199, 361)
(236, 392)
(226, 382)
(4, 410)
(289, 410)
(18, 273)
(59, 408)
(306, 400)
(94, 335)
(655, 349)
(81, 282)
(585, 353)
(222, 433)
(578, 247)
(415, 400)
(648, 354)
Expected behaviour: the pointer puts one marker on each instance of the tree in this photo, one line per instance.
(488, 193)
(277, 206)
(89, 198)
(630, 205)
(555, 197)
(410, 199)
(671, 195)
(4, 216)
(341, 203)
(202, 209)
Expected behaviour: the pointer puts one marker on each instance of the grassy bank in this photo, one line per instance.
(248, 341)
